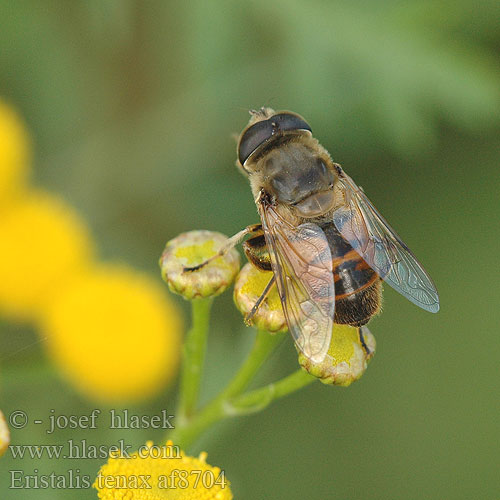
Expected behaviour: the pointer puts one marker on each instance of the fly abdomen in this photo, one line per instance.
(351, 274)
(358, 290)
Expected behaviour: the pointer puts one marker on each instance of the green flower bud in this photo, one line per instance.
(191, 249)
(346, 359)
(249, 286)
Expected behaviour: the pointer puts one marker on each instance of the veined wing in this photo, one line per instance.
(359, 222)
(302, 266)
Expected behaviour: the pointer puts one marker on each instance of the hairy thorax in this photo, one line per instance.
(299, 176)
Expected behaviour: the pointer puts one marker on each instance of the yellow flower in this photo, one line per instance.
(190, 249)
(14, 153)
(161, 472)
(114, 334)
(4, 434)
(346, 360)
(44, 243)
(250, 283)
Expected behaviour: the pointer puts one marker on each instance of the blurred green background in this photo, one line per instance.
(131, 106)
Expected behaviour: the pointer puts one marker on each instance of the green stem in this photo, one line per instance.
(187, 431)
(259, 399)
(264, 345)
(193, 356)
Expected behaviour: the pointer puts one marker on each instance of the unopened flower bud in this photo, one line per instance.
(4, 435)
(249, 286)
(346, 359)
(191, 249)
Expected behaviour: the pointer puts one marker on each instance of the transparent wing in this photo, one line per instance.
(359, 222)
(302, 265)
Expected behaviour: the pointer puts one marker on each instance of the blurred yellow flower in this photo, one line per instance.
(14, 153)
(44, 243)
(161, 472)
(4, 434)
(347, 358)
(114, 334)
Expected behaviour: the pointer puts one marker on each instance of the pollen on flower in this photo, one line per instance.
(249, 286)
(4, 434)
(194, 254)
(346, 360)
(190, 249)
(44, 244)
(166, 472)
(114, 334)
(14, 153)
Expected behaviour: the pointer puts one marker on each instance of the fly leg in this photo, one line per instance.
(231, 243)
(255, 249)
(265, 293)
(362, 340)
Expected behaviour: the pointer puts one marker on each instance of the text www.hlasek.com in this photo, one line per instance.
(83, 450)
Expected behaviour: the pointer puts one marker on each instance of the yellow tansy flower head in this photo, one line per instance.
(190, 249)
(4, 434)
(346, 359)
(161, 472)
(44, 243)
(14, 153)
(249, 286)
(114, 334)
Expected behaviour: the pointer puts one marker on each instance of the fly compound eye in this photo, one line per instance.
(263, 132)
(253, 137)
(284, 122)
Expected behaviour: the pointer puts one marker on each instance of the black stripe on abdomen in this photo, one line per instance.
(351, 273)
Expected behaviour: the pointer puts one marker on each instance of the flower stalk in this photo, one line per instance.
(193, 357)
(264, 345)
(226, 404)
(259, 399)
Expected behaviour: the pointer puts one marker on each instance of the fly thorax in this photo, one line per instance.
(296, 176)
